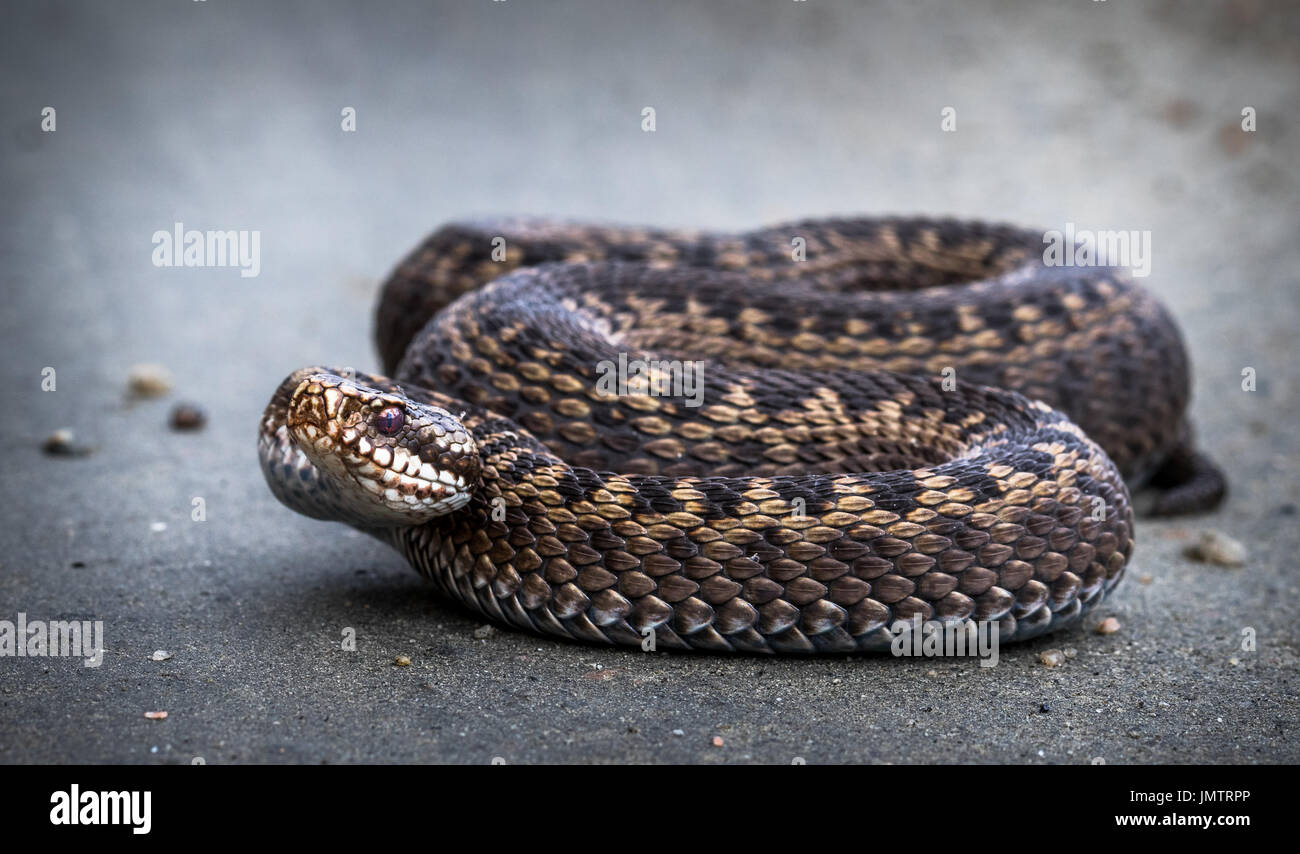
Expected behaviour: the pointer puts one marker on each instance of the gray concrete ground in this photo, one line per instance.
(227, 116)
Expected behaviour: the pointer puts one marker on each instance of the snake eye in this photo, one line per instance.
(389, 420)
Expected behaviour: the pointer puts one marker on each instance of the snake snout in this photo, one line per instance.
(392, 460)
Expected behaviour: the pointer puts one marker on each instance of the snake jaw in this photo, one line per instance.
(392, 460)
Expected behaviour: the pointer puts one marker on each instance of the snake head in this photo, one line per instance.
(390, 460)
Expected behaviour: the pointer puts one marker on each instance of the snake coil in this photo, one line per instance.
(903, 418)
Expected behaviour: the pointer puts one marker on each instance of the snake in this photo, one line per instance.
(785, 440)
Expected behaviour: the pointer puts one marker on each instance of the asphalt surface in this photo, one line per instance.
(228, 116)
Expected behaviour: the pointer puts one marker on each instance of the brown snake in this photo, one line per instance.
(842, 424)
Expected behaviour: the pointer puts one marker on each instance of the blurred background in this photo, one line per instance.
(229, 115)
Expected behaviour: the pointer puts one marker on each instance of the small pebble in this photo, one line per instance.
(1052, 658)
(156, 716)
(402, 661)
(1233, 139)
(1218, 548)
(149, 381)
(679, 733)
(161, 655)
(483, 632)
(1180, 112)
(62, 443)
(1045, 709)
(1071, 652)
(717, 741)
(1145, 579)
(188, 416)
(1108, 626)
(157, 527)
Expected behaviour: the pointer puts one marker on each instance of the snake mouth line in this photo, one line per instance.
(394, 474)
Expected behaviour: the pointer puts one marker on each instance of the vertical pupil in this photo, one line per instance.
(390, 420)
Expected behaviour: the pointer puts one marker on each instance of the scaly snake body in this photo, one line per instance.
(897, 418)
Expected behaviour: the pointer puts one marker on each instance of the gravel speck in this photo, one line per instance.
(63, 443)
(148, 380)
(1218, 548)
(1108, 626)
(187, 416)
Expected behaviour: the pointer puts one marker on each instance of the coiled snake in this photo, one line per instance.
(896, 418)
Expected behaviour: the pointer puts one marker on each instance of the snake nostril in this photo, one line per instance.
(389, 420)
